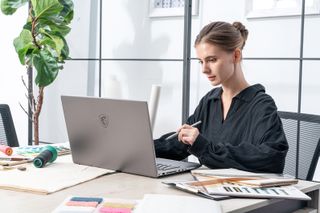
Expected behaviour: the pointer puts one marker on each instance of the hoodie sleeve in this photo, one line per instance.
(172, 148)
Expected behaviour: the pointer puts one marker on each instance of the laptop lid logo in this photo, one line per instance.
(104, 120)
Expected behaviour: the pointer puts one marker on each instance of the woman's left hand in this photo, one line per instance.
(188, 134)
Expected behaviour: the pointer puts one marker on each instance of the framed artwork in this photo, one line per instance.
(166, 8)
(276, 8)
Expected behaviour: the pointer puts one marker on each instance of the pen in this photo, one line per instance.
(13, 158)
(176, 133)
(222, 180)
(16, 162)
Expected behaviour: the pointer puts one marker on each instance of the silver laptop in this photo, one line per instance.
(115, 134)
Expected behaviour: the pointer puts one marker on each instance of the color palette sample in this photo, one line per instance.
(96, 204)
(287, 192)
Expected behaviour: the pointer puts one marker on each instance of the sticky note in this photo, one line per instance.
(81, 203)
(114, 210)
(119, 205)
(87, 199)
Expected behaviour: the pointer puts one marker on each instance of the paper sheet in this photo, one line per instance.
(157, 203)
(58, 175)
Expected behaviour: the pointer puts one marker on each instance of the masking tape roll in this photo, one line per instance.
(6, 149)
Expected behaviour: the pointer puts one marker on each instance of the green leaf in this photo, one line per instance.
(49, 19)
(23, 44)
(47, 68)
(63, 29)
(8, 7)
(28, 26)
(46, 8)
(64, 51)
(67, 11)
(56, 42)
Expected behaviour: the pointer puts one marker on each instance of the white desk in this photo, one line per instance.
(128, 186)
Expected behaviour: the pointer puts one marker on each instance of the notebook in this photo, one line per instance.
(115, 134)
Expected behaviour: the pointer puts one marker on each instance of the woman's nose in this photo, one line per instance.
(205, 68)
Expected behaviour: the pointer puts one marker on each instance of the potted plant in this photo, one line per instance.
(42, 44)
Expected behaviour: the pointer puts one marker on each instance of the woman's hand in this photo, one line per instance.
(188, 134)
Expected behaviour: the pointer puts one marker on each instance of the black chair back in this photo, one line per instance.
(8, 134)
(303, 133)
(314, 163)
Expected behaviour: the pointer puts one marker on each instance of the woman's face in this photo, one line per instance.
(217, 64)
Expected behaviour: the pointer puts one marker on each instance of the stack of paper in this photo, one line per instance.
(242, 177)
(269, 182)
(237, 183)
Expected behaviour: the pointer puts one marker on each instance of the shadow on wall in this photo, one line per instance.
(137, 77)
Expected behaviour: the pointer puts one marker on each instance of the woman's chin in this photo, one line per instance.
(214, 83)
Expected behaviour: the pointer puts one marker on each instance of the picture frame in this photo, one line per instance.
(167, 8)
(278, 8)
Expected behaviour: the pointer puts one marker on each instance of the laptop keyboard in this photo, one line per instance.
(166, 167)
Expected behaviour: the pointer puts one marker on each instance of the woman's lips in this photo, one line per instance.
(211, 78)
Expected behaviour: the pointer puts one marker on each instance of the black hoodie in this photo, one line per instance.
(251, 137)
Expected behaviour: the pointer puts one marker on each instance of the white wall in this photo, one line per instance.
(136, 35)
(129, 32)
(72, 80)
(12, 91)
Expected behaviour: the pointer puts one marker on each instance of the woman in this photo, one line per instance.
(240, 127)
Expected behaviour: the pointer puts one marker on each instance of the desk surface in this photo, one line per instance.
(121, 185)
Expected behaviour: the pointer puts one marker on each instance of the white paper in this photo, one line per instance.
(156, 203)
(233, 173)
(287, 192)
(55, 176)
(316, 176)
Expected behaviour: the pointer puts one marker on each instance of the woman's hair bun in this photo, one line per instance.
(244, 32)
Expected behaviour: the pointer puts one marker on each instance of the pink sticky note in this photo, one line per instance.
(114, 210)
(81, 203)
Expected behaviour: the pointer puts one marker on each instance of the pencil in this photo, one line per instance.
(177, 133)
(14, 158)
(14, 163)
(222, 180)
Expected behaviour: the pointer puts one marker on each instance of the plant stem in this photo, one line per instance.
(36, 116)
(33, 27)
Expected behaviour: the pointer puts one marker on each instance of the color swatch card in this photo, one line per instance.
(287, 192)
(95, 205)
(240, 186)
(234, 187)
(238, 183)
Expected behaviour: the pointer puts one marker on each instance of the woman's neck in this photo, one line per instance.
(235, 85)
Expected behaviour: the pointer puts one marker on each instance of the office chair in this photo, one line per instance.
(314, 162)
(302, 133)
(7, 131)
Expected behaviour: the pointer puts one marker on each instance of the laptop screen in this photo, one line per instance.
(111, 134)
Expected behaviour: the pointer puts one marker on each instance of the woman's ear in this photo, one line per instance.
(237, 55)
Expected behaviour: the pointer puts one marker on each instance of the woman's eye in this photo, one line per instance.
(212, 60)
